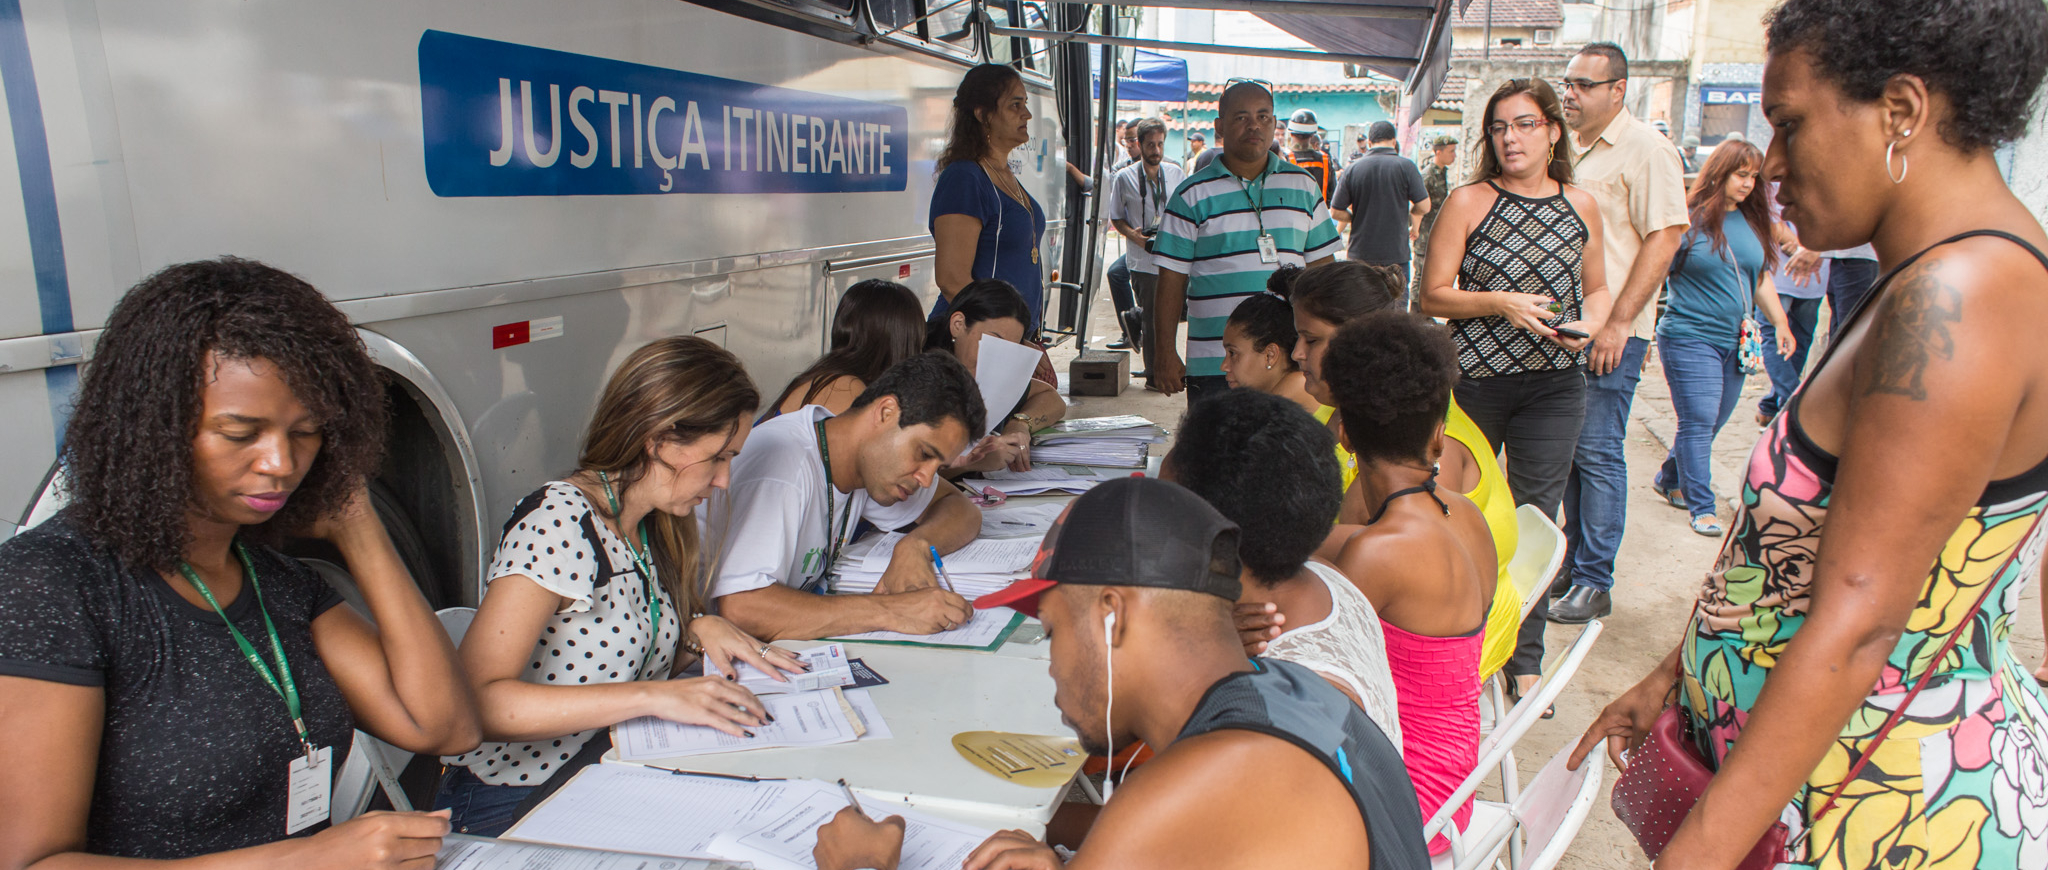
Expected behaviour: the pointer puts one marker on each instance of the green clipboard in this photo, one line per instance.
(1016, 619)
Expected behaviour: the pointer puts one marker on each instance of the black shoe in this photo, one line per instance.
(1119, 344)
(1581, 604)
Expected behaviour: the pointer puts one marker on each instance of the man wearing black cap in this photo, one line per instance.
(1382, 199)
(1260, 763)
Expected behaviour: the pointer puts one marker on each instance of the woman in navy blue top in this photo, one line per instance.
(983, 222)
(1723, 264)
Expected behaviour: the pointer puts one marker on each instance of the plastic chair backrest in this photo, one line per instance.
(1538, 552)
(455, 621)
(1554, 806)
(1516, 723)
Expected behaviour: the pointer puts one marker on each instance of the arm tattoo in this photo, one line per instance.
(1914, 330)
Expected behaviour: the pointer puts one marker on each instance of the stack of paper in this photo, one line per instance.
(772, 824)
(983, 566)
(829, 668)
(985, 630)
(1118, 442)
(818, 718)
(1043, 478)
(464, 852)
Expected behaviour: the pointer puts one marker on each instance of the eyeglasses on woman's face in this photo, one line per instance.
(1523, 126)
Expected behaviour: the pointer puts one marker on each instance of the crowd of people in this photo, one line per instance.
(1304, 606)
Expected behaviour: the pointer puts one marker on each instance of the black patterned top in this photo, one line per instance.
(1523, 245)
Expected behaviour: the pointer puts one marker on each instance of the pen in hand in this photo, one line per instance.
(850, 799)
(939, 565)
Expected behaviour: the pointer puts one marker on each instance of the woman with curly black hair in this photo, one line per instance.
(171, 686)
(1846, 670)
(1424, 556)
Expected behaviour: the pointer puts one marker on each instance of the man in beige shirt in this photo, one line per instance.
(1635, 174)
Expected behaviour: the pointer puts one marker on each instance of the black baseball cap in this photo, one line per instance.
(1132, 531)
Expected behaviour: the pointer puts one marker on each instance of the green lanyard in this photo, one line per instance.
(280, 681)
(1258, 211)
(643, 558)
(832, 534)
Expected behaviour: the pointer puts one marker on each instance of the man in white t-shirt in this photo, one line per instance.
(783, 523)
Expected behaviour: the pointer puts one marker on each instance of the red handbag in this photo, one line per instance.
(1667, 775)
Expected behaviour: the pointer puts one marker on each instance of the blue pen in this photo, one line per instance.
(940, 565)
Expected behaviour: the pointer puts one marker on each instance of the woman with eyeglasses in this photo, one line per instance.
(1515, 264)
(595, 594)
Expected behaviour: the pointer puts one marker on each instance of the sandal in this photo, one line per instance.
(1705, 524)
(1670, 496)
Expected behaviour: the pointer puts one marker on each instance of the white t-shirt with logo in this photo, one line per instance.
(771, 519)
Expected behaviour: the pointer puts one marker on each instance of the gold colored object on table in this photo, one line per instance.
(1031, 760)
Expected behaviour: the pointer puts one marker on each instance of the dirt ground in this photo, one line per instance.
(1658, 572)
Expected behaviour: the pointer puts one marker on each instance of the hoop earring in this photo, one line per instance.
(1903, 166)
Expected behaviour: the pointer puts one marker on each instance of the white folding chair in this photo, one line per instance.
(1493, 825)
(1539, 550)
(372, 763)
(1554, 806)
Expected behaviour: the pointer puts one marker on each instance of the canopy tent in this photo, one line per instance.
(1153, 76)
(1409, 40)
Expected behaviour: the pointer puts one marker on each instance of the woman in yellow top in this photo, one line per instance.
(1328, 296)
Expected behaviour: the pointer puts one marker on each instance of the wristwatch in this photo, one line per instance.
(1023, 418)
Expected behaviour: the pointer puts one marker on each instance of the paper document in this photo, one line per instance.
(1017, 520)
(829, 669)
(464, 852)
(772, 824)
(1003, 371)
(1086, 425)
(1105, 452)
(801, 719)
(980, 556)
(785, 842)
(986, 629)
(870, 716)
(643, 809)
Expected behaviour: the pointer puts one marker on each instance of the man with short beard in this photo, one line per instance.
(1261, 763)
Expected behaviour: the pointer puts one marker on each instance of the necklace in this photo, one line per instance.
(1006, 181)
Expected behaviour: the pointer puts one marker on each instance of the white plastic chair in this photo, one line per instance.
(1554, 806)
(372, 763)
(1493, 824)
(1539, 550)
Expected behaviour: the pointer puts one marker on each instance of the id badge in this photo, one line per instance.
(312, 782)
(1269, 250)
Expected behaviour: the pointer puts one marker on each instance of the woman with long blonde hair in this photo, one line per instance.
(596, 594)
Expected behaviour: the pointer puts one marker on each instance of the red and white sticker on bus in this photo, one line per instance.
(525, 331)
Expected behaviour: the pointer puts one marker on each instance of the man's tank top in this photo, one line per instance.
(1291, 702)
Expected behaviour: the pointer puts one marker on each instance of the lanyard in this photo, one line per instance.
(280, 681)
(643, 559)
(1151, 194)
(832, 534)
(1257, 209)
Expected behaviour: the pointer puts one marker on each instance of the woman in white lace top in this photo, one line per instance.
(1268, 466)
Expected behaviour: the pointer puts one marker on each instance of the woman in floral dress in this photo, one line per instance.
(1905, 481)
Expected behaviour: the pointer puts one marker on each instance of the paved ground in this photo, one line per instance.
(1660, 566)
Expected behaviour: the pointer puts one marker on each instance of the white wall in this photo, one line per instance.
(2029, 176)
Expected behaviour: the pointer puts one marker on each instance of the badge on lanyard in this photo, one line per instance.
(310, 775)
(1269, 250)
(312, 782)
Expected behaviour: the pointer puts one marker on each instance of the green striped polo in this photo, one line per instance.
(1210, 233)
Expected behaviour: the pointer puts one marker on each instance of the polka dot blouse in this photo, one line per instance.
(556, 539)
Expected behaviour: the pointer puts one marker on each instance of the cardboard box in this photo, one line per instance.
(1099, 373)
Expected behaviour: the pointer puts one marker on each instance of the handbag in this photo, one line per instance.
(1667, 775)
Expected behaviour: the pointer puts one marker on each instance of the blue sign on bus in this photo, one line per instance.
(503, 119)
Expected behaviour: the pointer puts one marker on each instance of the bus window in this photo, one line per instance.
(894, 14)
(1001, 49)
(943, 24)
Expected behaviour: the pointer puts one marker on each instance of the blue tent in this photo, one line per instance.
(1155, 76)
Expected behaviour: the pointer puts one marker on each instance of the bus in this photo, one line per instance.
(505, 197)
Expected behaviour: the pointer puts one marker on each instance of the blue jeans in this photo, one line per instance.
(1849, 280)
(480, 809)
(1801, 315)
(1706, 383)
(1596, 492)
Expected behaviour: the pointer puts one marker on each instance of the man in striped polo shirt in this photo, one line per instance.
(1226, 229)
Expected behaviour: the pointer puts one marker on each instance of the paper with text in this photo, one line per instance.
(463, 852)
(800, 719)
